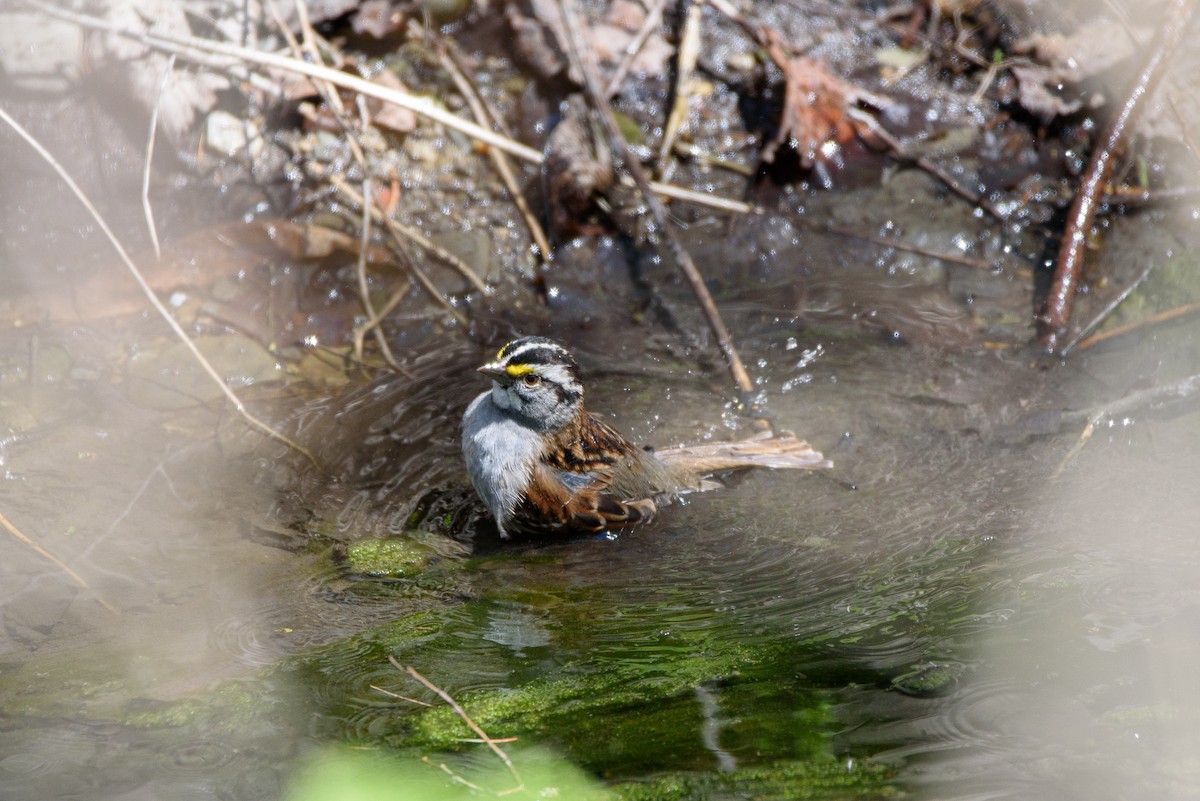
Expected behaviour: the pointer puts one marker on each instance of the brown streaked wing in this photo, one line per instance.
(549, 506)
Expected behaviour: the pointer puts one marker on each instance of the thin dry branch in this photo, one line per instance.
(402, 234)
(411, 234)
(1055, 316)
(687, 55)
(1084, 333)
(203, 50)
(454, 776)
(16, 532)
(653, 20)
(162, 310)
(455, 69)
(149, 160)
(585, 58)
(1183, 390)
(895, 244)
(896, 147)
(1192, 144)
(416, 701)
(1154, 319)
(462, 714)
(374, 318)
(701, 199)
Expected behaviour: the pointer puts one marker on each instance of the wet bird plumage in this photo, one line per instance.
(542, 463)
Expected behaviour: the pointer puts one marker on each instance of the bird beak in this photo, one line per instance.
(494, 372)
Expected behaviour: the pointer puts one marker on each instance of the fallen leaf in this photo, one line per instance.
(1061, 62)
(815, 105)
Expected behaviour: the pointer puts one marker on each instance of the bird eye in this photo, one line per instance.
(531, 379)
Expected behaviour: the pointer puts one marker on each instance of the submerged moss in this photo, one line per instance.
(930, 679)
(570, 701)
(787, 781)
(393, 557)
(231, 704)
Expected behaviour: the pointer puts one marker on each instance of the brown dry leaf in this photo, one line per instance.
(389, 115)
(814, 106)
(304, 242)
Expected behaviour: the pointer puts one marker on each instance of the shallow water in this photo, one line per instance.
(941, 604)
(972, 605)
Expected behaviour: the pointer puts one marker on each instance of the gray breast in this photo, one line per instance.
(500, 454)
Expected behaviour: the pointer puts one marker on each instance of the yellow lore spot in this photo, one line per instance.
(517, 370)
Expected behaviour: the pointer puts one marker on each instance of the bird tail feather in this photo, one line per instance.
(785, 452)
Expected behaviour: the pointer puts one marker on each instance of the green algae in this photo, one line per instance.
(785, 781)
(392, 557)
(577, 695)
(930, 679)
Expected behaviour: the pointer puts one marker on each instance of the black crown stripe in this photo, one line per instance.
(546, 356)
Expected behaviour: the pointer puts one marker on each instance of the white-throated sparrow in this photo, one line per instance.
(542, 463)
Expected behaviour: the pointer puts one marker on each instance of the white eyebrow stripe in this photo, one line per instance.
(558, 374)
(539, 344)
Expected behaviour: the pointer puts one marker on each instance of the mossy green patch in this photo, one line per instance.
(788, 781)
(930, 679)
(571, 700)
(393, 557)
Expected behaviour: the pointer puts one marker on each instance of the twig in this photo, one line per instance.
(898, 150)
(653, 20)
(1184, 127)
(424, 106)
(1055, 315)
(1077, 446)
(364, 290)
(454, 68)
(463, 780)
(401, 235)
(418, 702)
(458, 710)
(1154, 319)
(57, 562)
(421, 105)
(1180, 390)
(162, 310)
(683, 260)
(953, 258)
(1108, 309)
(393, 301)
(686, 56)
(146, 207)
(404, 232)
(703, 199)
